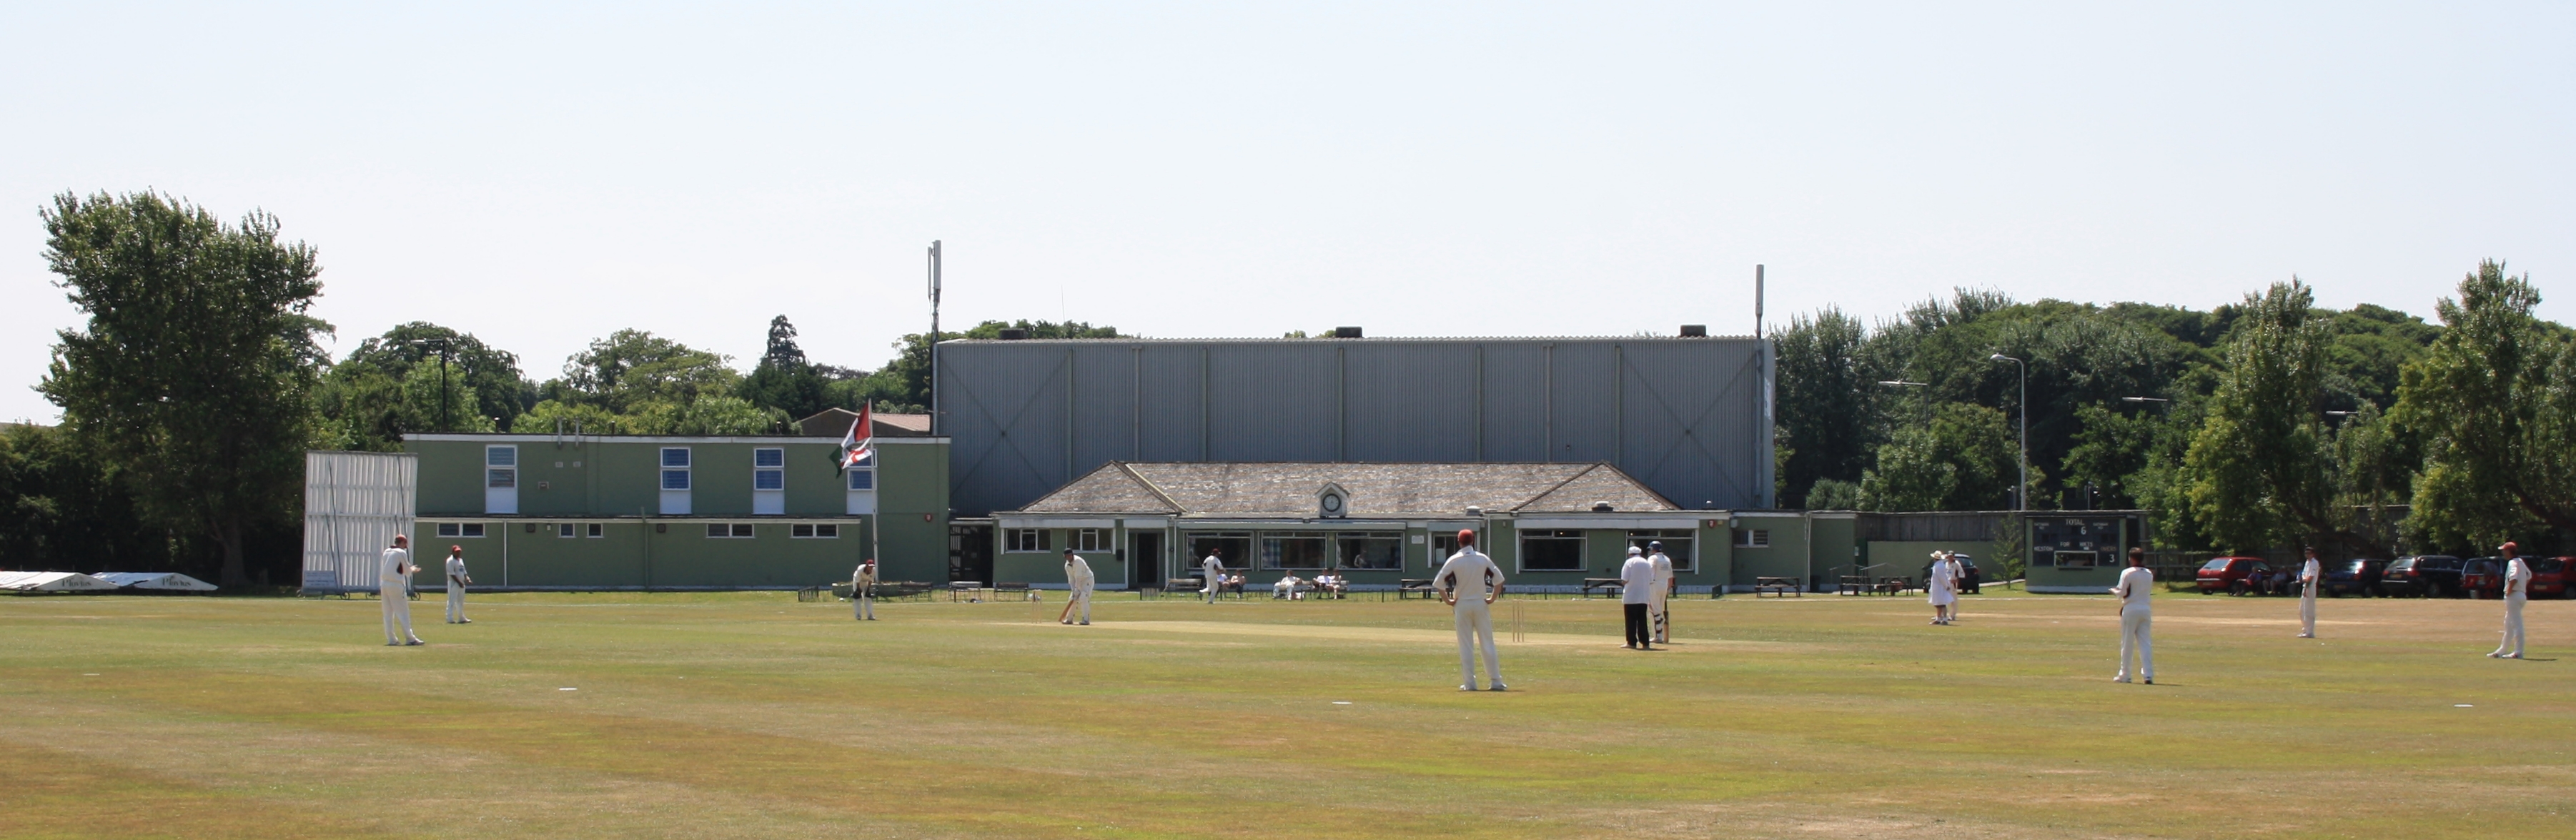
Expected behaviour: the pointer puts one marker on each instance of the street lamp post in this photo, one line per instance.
(2021, 496)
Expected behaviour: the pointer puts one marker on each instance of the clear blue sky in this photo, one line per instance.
(541, 175)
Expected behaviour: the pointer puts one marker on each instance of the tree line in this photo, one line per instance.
(2266, 423)
(199, 380)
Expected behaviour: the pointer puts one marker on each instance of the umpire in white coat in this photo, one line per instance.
(1470, 582)
(2309, 576)
(457, 580)
(2517, 589)
(1077, 577)
(393, 585)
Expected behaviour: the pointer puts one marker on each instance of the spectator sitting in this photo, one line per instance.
(1331, 584)
(1234, 584)
(1286, 588)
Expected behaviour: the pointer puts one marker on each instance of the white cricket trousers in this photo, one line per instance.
(455, 603)
(1211, 592)
(1082, 605)
(863, 605)
(1475, 623)
(397, 615)
(2512, 644)
(2136, 626)
(2308, 610)
(1660, 621)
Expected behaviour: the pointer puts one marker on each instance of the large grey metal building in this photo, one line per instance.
(1688, 416)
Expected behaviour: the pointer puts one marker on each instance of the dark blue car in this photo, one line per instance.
(2353, 577)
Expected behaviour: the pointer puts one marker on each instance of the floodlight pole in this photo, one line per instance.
(2021, 497)
(933, 375)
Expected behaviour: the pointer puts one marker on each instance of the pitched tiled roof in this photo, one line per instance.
(835, 422)
(1381, 491)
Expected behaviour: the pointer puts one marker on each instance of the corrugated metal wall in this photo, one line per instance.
(1689, 417)
(354, 504)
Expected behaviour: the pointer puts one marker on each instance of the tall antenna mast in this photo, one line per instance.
(1757, 300)
(934, 337)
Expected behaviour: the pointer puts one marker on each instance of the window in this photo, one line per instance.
(1443, 544)
(595, 530)
(1552, 551)
(863, 479)
(1677, 544)
(814, 532)
(1024, 539)
(473, 529)
(769, 469)
(1372, 550)
(1294, 551)
(1233, 548)
(460, 529)
(1752, 538)
(563, 531)
(500, 467)
(1088, 539)
(734, 531)
(675, 468)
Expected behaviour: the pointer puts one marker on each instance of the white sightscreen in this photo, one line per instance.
(354, 504)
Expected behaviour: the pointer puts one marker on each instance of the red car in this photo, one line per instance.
(2484, 577)
(2229, 574)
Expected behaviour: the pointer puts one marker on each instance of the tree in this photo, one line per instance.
(1827, 401)
(496, 390)
(784, 380)
(632, 367)
(194, 375)
(2261, 469)
(63, 510)
(904, 383)
(1964, 459)
(2492, 400)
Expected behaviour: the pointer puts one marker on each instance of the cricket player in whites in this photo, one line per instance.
(1942, 585)
(1214, 570)
(1077, 576)
(393, 585)
(2517, 589)
(1663, 619)
(2308, 575)
(2136, 622)
(863, 591)
(457, 579)
(1470, 582)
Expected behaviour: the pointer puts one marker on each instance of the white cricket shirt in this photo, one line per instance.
(391, 574)
(2135, 583)
(456, 567)
(1474, 572)
(2517, 579)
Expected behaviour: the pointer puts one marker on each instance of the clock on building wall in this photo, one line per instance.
(1332, 502)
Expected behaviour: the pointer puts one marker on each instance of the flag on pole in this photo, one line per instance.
(860, 443)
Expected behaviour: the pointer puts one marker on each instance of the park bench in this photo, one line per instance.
(1856, 585)
(1613, 586)
(902, 590)
(1408, 587)
(1017, 591)
(1898, 585)
(1185, 585)
(1778, 586)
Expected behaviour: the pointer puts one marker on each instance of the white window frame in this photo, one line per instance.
(564, 531)
(815, 531)
(769, 501)
(1521, 538)
(460, 530)
(596, 531)
(1271, 561)
(729, 531)
(1087, 540)
(858, 500)
(1026, 540)
(1752, 538)
(675, 501)
(501, 478)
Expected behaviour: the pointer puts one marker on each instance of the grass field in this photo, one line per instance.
(751, 715)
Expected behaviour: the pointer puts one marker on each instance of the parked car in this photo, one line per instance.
(1969, 576)
(2429, 575)
(2553, 577)
(2484, 577)
(2353, 577)
(2231, 574)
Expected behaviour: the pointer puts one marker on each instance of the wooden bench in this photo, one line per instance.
(1408, 587)
(1191, 585)
(1896, 585)
(1614, 586)
(1778, 586)
(1019, 591)
(1856, 585)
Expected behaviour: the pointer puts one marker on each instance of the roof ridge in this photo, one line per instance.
(1151, 487)
(1587, 470)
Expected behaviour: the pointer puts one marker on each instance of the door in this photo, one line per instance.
(1145, 559)
(970, 553)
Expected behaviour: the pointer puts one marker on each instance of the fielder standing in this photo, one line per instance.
(456, 581)
(2517, 589)
(863, 591)
(2308, 575)
(393, 586)
(2136, 622)
(1077, 577)
(1470, 582)
(1636, 591)
(1661, 614)
(1213, 569)
(1942, 584)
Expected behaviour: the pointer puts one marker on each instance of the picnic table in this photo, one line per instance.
(1778, 586)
